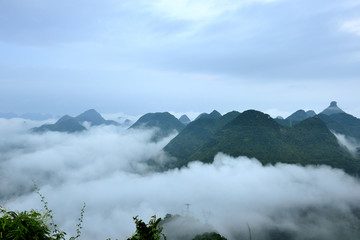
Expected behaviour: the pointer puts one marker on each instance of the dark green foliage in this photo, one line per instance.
(285, 122)
(213, 115)
(299, 116)
(255, 134)
(194, 136)
(295, 118)
(343, 123)
(209, 236)
(34, 225)
(150, 231)
(165, 122)
(24, 225)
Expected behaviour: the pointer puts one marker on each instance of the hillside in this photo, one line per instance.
(195, 135)
(65, 124)
(184, 119)
(295, 118)
(255, 134)
(213, 115)
(75, 124)
(94, 118)
(164, 122)
(343, 123)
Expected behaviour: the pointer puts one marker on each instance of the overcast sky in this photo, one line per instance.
(143, 56)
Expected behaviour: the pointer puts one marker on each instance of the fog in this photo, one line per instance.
(106, 168)
(349, 143)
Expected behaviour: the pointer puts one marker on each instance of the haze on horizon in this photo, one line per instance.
(183, 56)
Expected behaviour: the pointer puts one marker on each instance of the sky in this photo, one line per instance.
(134, 57)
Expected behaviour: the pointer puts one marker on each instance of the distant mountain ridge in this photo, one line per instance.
(296, 117)
(184, 119)
(342, 123)
(302, 138)
(196, 134)
(213, 115)
(94, 118)
(165, 122)
(75, 124)
(255, 134)
(64, 124)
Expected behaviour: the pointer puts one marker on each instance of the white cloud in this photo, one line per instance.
(195, 10)
(352, 26)
(104, 168)
(347, 142)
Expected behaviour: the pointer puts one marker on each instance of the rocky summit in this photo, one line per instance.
(332, 109)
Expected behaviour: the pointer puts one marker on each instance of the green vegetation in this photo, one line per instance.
(194, 136)
(26, 225)
(213, 115)
(150, 231)
(343, 123)
(295, 118)
(33, 224)
(256, 135)
(165, 122)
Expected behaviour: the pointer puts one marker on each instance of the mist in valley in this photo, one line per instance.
(106, 167)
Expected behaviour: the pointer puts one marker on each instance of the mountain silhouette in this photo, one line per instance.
(256, 135)
(94, 118)
(184, 119)
(332, 109)
(196, 134)
(164, 122)
(64, 124)
(214, 114)
(75, 124)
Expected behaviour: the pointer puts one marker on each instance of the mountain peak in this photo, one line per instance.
(184, 119)
(91, 116)
(213, 115)
(164, 121)
(64, 118)
(65, 124)
(333, 104)
(301, 115)
(332, 109)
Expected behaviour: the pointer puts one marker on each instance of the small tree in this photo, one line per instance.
(24, 225)
(150, 231)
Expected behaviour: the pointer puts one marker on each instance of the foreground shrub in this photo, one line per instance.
(25, 225)
(150, 231)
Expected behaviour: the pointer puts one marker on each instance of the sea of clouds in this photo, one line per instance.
(106, 167)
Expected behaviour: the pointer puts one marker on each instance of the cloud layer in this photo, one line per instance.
(105, 168)
(143, 56)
